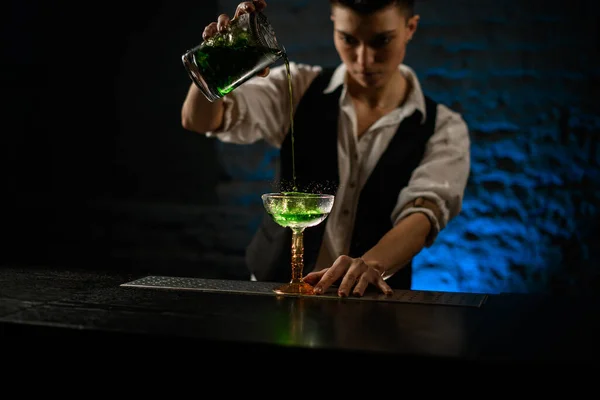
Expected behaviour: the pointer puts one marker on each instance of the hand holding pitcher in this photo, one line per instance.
(233, 51)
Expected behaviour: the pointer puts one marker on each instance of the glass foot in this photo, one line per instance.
(295, 288)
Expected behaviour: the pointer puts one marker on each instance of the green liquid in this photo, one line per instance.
(220, 61)
(299, 219)
(289, 78)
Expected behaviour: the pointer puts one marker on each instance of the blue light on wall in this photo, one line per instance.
(531, 203)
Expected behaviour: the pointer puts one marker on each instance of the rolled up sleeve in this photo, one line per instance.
(437, 186)
(260, 108)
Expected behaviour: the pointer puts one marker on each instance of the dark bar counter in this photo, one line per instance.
(90, 305)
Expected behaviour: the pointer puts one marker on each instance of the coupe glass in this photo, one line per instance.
(297, 211)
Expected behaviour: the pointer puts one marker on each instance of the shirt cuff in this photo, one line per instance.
(233, 112)
(433, 207)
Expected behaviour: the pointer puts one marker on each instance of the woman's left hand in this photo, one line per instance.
(355, 274)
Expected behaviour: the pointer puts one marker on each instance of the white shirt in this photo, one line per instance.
(259, 109)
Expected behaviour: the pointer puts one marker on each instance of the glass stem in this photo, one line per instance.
(297, 254)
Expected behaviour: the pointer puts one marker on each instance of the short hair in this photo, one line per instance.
(365, 7)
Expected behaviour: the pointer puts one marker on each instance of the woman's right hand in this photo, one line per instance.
(222, 23)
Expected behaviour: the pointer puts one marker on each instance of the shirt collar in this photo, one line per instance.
(416, 98)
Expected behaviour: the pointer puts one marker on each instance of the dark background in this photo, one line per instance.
(97, 171)
(92, 103)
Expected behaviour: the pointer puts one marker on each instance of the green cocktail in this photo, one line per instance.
(298, 219)
(297, 211)
(298, 214)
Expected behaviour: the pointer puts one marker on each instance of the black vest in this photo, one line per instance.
(268, 256)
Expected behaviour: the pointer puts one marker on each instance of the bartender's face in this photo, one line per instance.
(372, 46)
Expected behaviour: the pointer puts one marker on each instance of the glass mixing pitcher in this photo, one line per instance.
(226, 60)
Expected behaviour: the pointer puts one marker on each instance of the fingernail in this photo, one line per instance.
(341, 294)
(318, 290)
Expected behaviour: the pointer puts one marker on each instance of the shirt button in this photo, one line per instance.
(346, 212)
(352, 185)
